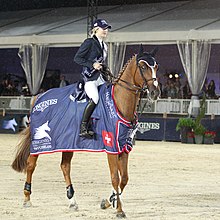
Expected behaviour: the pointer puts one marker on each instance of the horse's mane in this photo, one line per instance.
(124, 67)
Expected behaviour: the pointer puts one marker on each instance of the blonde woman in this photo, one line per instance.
(91, 56)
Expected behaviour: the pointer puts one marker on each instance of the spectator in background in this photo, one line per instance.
(186, 91)
(172, 92)
(8, 88)
(211, 90)
(2, 87)
(63, 81)
(18, 87)
(166, 88)
(160, 86)
(178, 87)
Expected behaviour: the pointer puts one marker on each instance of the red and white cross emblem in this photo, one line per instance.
(107, 138)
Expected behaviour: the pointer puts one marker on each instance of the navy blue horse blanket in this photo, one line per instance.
(55, 122)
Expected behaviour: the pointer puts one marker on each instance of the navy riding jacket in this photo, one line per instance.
(89, 52)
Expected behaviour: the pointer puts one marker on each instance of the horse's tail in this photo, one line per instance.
(23, 147)
(23, 151)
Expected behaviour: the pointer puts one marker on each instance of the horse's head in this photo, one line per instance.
(137, 76)
(146, 77)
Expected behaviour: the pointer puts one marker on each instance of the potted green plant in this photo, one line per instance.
(185, 126)
(209, 137)
(190, 138)
(199, 131)
(192, 130)
(198, 128)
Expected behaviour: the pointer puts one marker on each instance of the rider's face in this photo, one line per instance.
(102, 33)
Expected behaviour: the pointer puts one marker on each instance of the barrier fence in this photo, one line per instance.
(14, 112)
(155, 122)
(15, 102)
(178, 106)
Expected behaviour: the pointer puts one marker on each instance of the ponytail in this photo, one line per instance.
(93, 31)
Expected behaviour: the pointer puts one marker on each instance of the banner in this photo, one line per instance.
(10, 123)
(150, 129)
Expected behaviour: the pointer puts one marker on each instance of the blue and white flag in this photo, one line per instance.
(56, 118)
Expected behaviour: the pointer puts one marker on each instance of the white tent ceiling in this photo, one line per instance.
(153, 23)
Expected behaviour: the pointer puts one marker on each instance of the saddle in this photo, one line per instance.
(79, 94)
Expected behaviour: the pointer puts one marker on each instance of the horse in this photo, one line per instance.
(137, 76)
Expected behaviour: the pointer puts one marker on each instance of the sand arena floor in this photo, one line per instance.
(168, 181)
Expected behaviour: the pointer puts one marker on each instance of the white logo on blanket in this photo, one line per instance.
(41, 132)
(43, 105)
(110, 105)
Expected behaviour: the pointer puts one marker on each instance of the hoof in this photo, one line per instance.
(105, 204)
(121, 215)
(73, 206)
(27, 204)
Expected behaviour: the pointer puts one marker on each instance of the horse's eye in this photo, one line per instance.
(143, 67)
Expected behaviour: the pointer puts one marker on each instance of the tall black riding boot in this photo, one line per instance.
(84, 131)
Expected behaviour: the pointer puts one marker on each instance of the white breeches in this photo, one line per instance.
(91, 88)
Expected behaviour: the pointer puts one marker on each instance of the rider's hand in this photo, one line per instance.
(97, 66)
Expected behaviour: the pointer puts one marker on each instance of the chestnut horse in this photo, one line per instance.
(137, 76)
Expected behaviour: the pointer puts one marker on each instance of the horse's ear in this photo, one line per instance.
(141, 49)
(154, 51)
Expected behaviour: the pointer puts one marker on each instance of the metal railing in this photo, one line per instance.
(15, 103)
(179, 106)
(172, 106)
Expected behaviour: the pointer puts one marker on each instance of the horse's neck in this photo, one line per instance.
(126, 100)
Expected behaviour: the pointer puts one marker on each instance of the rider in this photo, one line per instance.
(91, 56)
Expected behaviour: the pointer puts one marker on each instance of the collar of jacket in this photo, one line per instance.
(97, 41)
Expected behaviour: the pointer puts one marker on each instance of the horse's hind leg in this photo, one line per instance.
(31, 164)
(66, 168)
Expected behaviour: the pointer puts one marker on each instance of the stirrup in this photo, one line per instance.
(87, 134)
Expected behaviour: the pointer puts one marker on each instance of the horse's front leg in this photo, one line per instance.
(114, 199)
(123, 169)
(31, 164)
(66, 168)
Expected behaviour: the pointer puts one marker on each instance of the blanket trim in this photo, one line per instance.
(78, 150)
